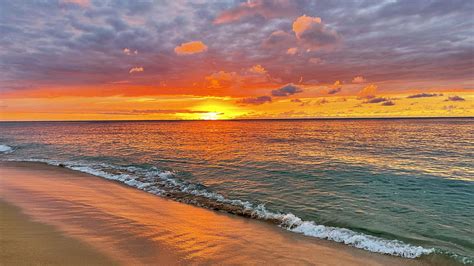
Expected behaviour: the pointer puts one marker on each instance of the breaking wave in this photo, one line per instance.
(5, 149)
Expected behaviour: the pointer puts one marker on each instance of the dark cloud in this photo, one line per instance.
(334, 91)
(455, 99)
(423, 95)
(287, 90)
(313, 33)
(256, 100)
(388, 103)
(376, 100)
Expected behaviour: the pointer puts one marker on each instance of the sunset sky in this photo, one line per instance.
(98, 59)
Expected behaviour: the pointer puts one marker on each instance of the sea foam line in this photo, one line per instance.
(5, 149)
(150, 178)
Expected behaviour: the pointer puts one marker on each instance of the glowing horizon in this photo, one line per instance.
(97, 60)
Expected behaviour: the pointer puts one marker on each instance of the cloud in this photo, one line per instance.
(322, 101)
(316, 61)
(188, 48)
(136, 69)
(258, 69)
(127, 51)
(455, 99)
(368, 91)
(264, 8)
(313, 33)
(287, 90)
(334, 90)
(376, 100)
(256, 100)
(281, 40)
(222, 79)
(358, 79)
(423, 95)
(296, 101)
(292, 51)
(388, 103)
(39, 35)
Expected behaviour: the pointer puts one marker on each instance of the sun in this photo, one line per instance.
(210, 116)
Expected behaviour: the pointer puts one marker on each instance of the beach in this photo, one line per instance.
(113, 223)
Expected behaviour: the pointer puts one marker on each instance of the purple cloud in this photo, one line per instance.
(455, 99)
(287, 90)
(376, 100)
(423, 95)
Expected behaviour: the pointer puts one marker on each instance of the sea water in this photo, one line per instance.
(403, 187)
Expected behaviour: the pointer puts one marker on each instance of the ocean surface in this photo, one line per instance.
(403, 187)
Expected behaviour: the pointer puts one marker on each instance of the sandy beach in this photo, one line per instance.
(52, 215)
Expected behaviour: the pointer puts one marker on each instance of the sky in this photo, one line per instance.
(144, 59)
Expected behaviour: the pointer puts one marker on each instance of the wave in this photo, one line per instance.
(166, 184)
(5, 149)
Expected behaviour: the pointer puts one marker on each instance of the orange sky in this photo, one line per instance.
(84, 60)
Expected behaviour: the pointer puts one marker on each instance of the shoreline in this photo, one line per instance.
(134, 227)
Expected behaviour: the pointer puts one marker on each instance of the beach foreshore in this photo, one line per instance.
(53, 215)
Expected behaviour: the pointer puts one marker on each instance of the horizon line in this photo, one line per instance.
(250, 119)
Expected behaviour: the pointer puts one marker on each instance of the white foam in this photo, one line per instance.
(342, 235)
(289, 221)
(5, 149)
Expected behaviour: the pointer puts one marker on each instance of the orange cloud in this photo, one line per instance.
(222, 79)
(313, 34)
(292, 51)
(369, 91)
(304, 23)
(316, 60)
(188, 48)
(359, 79)
(258, 69)
(136, 69)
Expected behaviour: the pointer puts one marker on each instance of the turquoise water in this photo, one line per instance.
(402, 187)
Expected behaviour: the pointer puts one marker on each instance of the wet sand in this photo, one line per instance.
(113, 222)
(26, 242)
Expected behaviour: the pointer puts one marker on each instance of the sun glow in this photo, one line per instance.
(210, 116)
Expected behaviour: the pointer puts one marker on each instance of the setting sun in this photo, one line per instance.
(210, 116)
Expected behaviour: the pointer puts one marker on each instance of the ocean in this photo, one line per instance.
(403, 187)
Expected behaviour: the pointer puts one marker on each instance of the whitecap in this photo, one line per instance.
(5, 149)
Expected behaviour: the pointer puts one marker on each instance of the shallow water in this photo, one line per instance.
(406, 180)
